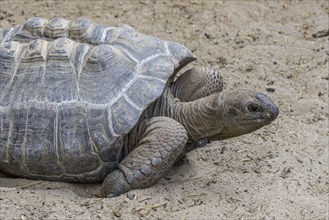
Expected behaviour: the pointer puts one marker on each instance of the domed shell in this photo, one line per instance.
(77, 85)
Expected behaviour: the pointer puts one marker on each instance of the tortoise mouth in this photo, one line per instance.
(266, 116)
(258, 119)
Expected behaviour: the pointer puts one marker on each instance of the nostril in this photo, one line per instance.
(275, 111)
(254, 108)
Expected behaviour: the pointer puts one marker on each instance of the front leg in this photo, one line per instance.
(163, 140)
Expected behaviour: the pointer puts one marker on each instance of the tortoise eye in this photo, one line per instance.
(255, 108)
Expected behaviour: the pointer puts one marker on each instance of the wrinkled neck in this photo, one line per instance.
(201, 118)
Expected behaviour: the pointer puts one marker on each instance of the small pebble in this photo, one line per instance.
(223, 149)
(131, 195)
(116, 214)
(208, 36)
(270, 89)
(249, 68)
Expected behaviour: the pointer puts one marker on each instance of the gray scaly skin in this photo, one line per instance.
(172, 127)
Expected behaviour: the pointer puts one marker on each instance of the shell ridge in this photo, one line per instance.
(91, 141)
(43, 75)
(104, 35)
(87, 35)
(75, 69)
(172, 57)
(8, 34)
(109, 119)
(6, 146)
(126, 97)
(44, 65)
(77, 85)
(153, 78)
(126, 52)
(23, 146)
(57, 146)
(42, 82)
(87, 51)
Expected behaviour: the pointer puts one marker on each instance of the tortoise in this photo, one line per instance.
(83, 102)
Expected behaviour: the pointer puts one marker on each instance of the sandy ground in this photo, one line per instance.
(278, 172)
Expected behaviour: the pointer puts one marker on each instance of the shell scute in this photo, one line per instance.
(124, 115)
(158, 67)
(35, 26)
(10, 51)
(105, 141)
(79, 27)
(41, 143)
(109, 67)
(64, 88)
(74, 138)
(25, 84)
(57, 27)
(138, 46)
(148, 89)
(61, 49)
(10, 54)
(97, 35)
(36, 51)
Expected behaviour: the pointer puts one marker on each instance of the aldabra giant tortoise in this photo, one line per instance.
(81, 102)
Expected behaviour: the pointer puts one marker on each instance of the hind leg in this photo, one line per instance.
(197, 83)
(162, 140)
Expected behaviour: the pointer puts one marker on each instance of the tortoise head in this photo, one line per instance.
(240, 112)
